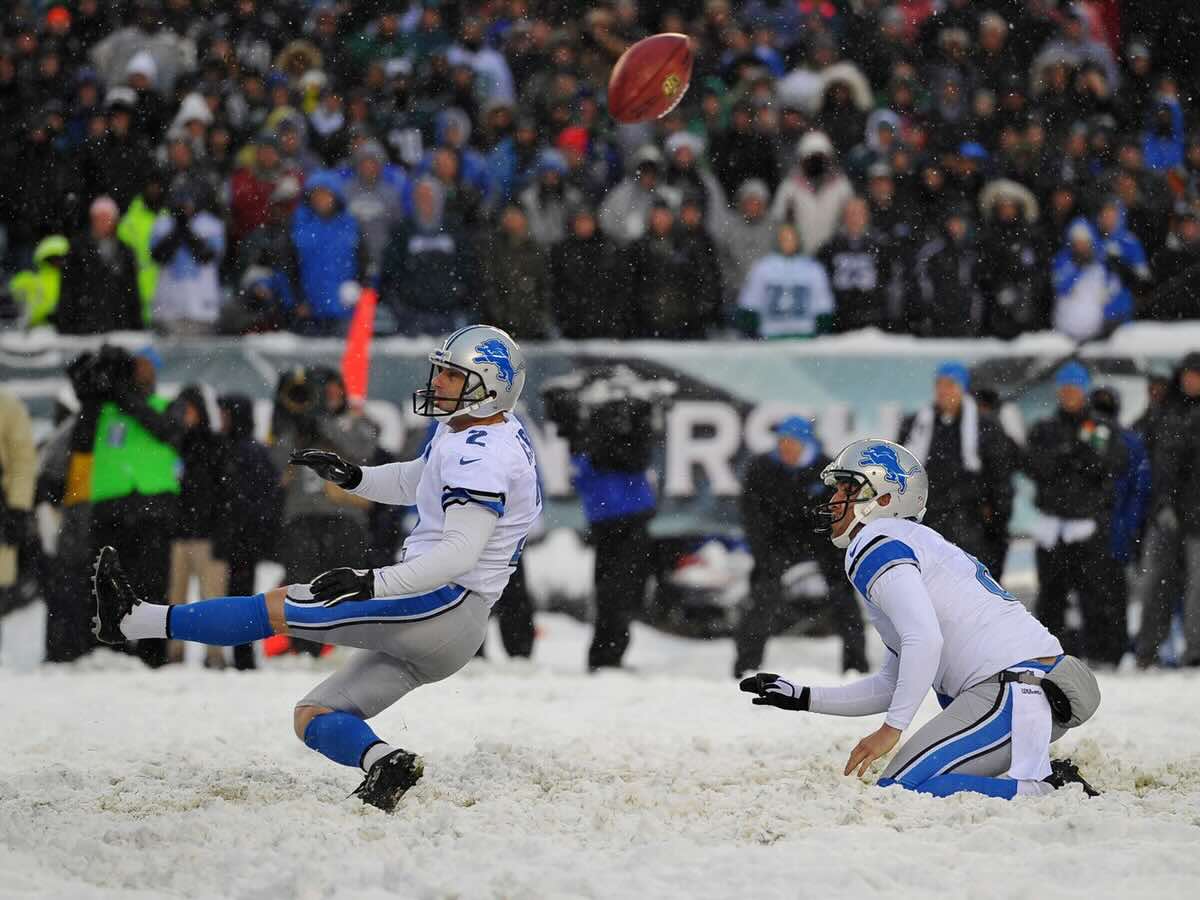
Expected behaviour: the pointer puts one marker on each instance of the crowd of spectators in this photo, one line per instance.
(938, 167)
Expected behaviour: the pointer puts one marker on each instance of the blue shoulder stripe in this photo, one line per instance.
(883, 556)
(862, 552)
(463, 496)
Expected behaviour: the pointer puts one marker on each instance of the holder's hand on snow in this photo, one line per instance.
(775, 691)
(329, 466)
(332, 587)
(876, 744)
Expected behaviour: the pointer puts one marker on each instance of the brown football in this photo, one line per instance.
(650, 78)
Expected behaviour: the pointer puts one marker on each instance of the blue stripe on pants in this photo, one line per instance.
(384, 609)
(992, 730)
(954, 783)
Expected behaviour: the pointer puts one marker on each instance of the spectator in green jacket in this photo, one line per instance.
(38, 288)
(134, 232)
(128, 443)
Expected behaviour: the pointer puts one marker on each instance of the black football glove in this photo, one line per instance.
(775, 691)
(329, 466)
(332, 587)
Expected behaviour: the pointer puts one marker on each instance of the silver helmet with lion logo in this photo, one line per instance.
(493, 367)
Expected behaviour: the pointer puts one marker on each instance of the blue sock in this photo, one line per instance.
(222, 621)
(342, 737)
(952, 783)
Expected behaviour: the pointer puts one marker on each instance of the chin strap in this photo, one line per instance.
(469, 410)
(864, 510)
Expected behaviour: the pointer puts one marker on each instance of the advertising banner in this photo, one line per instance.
(728, 394)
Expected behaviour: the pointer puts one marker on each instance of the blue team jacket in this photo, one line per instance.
(610, 495)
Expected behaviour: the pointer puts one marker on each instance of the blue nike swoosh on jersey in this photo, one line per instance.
(463, 461)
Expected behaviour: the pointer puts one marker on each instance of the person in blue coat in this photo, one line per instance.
(1163, 140)
(474, 173)
(1124, 254)
(618, 505)
(331, 258)
(1131, 500)
(511, 163)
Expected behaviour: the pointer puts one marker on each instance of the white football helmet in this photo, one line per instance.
(878, 467)
(494, 367)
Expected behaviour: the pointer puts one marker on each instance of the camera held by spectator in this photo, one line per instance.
(608, 415)
(299, 405)
(98, 376)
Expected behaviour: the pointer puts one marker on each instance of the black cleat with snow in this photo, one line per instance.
(114, 597)
(389, 779)
(1064, 772)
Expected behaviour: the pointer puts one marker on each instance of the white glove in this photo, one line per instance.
(348, 293)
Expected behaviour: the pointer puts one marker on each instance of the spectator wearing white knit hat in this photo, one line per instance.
(148, 34)
(152, 113)
(814, 193)
(685, 152)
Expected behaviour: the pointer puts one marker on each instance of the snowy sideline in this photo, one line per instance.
(545, 782)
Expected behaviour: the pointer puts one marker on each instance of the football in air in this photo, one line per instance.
(650, 78)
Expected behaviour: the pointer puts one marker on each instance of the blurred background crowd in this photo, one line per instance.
(939, 167)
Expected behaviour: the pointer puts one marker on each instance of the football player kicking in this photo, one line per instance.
(416, 622)
(1006, 688)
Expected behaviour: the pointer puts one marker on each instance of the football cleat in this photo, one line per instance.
(114, 597)
(1064, 772)
(389, 780)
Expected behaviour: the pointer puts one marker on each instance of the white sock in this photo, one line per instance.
(145, 620)
(374, 754)
(1029, 788)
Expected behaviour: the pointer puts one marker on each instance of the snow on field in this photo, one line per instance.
(545, 782)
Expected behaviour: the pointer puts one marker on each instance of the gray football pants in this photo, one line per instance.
(396, 657)
(971, 736)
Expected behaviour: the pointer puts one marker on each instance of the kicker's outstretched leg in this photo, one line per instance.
(121, 615)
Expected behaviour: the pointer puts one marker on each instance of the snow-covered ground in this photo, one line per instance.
(544, 782)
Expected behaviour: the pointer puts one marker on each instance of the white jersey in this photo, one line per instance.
(983, 628)
(492, 466)
(789, 293)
